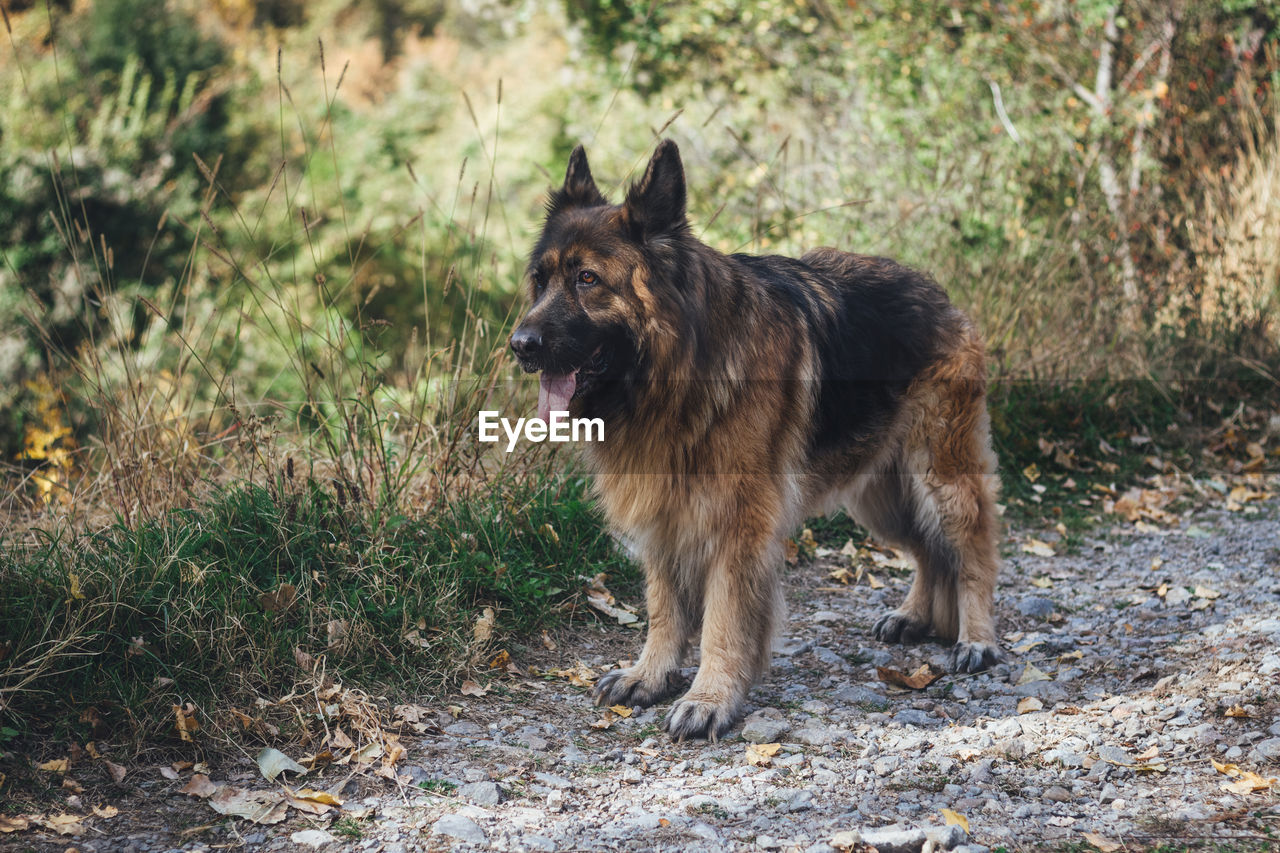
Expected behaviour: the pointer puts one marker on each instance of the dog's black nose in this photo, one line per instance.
(526, 343)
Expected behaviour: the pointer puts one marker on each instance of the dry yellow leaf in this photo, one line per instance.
(550, 533)
(483, 629)
(1225, 769)
(1205, 592)
(1038, 548)
(1043, 581)
(1031, 673)
(57, 765)
(106, 812)
(620, 710)
(471, 688)
(1104, 844)
(874, 582)
(1236, 711)
(955, 818)
(761, 754)
(13, 824)
(185, 721)
(1029, 704)
(500, 660)
(1031, 472)
(1249, 782)
(924, 675)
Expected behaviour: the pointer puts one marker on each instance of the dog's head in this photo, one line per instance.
(591, 277)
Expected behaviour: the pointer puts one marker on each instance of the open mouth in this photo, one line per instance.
(557, 390)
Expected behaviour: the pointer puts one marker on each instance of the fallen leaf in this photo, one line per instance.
(1031, 673)
(169, 773)
(1038, 548)
(925, 675)
(874, 582)
(620, 710)
(606, 721)
(807, 544)
(302, 659)
(1147, 754)
(339, 739)
(955, 818)
(548, 643)
(1105, 845)
(483, 628)
(1249, 782)
(1029, 704)
(1205, 592)
(471, 688)
(106, 812)
(57, 765)
(335, 632)
(13, 824)
(761, 754)
(272, 762)
(199, 786)
(116, 772)
(258, 806)
(279, 600)
(63, 824)
(599, 598)
(307, 805)
(550, 533)
(1031, 472)
(500, 660)
(321, 797)
(842, 574)
(1236, 711)
(185, 721)
(1043, 582)
(847, 840)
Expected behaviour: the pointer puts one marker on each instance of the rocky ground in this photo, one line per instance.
(1142, 690)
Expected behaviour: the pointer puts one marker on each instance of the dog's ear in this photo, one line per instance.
(579, 187)
(656, 203)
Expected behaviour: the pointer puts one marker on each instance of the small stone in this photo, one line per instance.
(1266, 750)
(893, 840)
(862, 697)
(946, 837)
(817, 735)
(464, 728)
(1058, 794)
(538, 842)
(459, 827)
(481, 793)
(765, 726)
(1036, 606)
(312, 837)
(827, 616)
(767, 842)
(915, 717)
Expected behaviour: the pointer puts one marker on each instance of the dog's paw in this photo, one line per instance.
(627, 687)
(691, 717)
(897, 627)
(973, 657)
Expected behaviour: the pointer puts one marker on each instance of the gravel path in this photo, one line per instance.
(1136, 661)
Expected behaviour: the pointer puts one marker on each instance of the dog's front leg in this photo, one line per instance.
(742, 604)
(657, 674)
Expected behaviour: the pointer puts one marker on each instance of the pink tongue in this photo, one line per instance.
(554, 393)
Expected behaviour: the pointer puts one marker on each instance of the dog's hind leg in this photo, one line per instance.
(672, 621)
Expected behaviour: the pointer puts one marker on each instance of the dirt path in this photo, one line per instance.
(1137, 661)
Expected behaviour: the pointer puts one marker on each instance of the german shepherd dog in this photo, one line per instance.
(740, 395)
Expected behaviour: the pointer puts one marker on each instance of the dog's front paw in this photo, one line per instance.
(898, 627)
(628, 687)
(694, 717)
(973, 657)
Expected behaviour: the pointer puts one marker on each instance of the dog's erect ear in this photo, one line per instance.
(579, 187)
(655, 204)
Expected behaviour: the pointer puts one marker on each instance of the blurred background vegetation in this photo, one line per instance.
(239, 237)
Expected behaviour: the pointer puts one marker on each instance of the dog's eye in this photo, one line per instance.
(538, 282)
(587, 277)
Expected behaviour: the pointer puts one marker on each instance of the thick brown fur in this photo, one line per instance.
(741, 395)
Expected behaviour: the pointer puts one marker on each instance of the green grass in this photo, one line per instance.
(196, 606)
